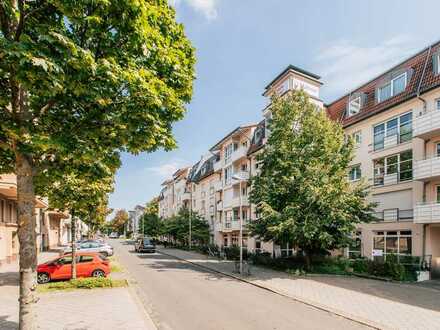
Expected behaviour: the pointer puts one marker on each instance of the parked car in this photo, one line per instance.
(114, 235)
(104, 249)
(144, 244)
(88, 265)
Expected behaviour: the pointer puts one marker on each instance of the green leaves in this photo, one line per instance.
(302, 192)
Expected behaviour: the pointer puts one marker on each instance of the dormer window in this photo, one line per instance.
(354, 106)
(436, 62)
(394, 87)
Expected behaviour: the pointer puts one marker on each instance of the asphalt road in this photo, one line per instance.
(182, 296)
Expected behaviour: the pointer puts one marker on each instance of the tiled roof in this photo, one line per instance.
(336, 110)
(257, 141)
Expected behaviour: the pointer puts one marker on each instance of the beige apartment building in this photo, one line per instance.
(395, 122)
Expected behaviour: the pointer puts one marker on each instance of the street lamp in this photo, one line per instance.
(236, 177)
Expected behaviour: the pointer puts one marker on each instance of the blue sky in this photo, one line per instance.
(241, 45)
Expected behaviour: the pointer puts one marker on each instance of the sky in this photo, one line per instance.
(241, 45)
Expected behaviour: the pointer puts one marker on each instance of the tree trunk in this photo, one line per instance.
(27, 240)
(73, 228)
(308, 259)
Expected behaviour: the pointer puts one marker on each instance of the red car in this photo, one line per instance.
(87, 265)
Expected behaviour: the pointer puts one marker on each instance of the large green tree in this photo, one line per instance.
(302, 192)
(150, 223)
(80, 78)
(178, 227)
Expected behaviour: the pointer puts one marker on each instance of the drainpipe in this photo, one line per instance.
(421, 79)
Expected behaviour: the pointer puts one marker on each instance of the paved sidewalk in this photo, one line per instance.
(97, 309)
(379, 304)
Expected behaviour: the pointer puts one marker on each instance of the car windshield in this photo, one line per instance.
(147, 241)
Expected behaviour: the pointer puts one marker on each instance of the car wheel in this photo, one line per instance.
(43, 278)
(98, 273)
(105, 254)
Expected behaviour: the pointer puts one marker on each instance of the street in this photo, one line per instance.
(180, 296)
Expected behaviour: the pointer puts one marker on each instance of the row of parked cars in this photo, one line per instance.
(91, 261)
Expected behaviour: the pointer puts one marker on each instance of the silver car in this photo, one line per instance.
(103, 249)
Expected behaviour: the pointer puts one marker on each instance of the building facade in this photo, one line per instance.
(394, 120)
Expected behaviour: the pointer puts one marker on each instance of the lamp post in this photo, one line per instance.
(241, 224)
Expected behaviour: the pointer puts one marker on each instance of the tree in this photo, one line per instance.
(119, 220)
(80, 78)
(177, 227)
(302, 192)
(150, 223)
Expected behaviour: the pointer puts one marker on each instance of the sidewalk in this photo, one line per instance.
(116, 308)
(379, 304)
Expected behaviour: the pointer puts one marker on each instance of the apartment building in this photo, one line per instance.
(395, 121)
(173, 195)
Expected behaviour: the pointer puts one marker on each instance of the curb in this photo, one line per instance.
(324, 308)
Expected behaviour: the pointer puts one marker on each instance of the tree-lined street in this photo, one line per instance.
(182, 296)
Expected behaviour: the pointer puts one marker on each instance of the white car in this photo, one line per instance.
(103, 249)
(113, 235)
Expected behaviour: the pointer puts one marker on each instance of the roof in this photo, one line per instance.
(257, 138)
(422, 79)
(296, 69)
(233, 132)
(204, 168)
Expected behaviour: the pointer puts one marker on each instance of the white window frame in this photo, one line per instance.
(350, 112)
(358, 172)
(391, 83)
(437, 195)
(356, 134)
(398, 235)
(398, 164)
(228, 152)
(386, 128)
(437, 101)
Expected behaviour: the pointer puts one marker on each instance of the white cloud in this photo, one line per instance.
(207, 8)
(166, 170)
(346, 65)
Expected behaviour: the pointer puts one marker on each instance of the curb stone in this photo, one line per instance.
(313, 304)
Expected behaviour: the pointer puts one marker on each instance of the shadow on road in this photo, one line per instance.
(163, 263)
(7, 325)
(9, 279)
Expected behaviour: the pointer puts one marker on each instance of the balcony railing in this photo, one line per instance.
(186, 196)
(240, 176)
(391, 215)
(427, 124)
(235, 202)
(427, 168)
(239, 153)
(427, 213)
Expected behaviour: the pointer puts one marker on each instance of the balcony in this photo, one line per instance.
(240, 176)
(427, 213)
(239, 153)
(235, 202)
(231, 225)
(427, 124)
(186, 196)
(217, 166)
(427, 169)
(392, 215)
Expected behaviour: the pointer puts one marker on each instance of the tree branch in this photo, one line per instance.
(20, 25)
(47, 107)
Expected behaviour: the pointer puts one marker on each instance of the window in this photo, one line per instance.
(354, 106)
(244, 214)
(354, 247)
(236, 215)
(228, 152)
(399, 164)
(437, 63)
(244, 144)
(243, 191)
(355, 173)
(357, 138)
(437, 104)
(437, 149)
(83, 259)
(244, 167)
(400, 126)
(397, 243)
(437, 188)
(65, 261)
(228, 174)
(394, 87)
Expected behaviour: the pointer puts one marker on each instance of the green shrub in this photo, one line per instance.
(82, 283)
(391, 268)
